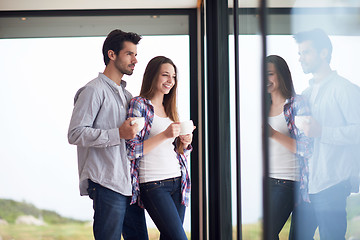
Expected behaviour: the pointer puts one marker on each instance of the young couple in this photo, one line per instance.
(121, 169)
(316, 159)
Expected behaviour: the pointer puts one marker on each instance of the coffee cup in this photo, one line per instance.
(301, 121)
(186, 127)
(140, 121)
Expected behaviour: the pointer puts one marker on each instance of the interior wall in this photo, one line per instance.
(78, 26)
(21, 5)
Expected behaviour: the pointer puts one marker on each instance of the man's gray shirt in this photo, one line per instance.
(94, 127)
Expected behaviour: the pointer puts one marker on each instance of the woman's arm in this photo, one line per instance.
(284, 140)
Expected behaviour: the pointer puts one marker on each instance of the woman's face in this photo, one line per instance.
(166, 79)
(273, 78)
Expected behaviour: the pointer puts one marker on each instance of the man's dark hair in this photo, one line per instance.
(115, 41)
(319, 39)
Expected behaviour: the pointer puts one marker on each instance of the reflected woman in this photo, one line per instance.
(159, 153)
(289, 148)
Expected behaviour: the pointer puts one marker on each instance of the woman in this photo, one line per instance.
(289, 148)
(158, 154)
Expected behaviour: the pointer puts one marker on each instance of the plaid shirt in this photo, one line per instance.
(141, 107)
(297, 106)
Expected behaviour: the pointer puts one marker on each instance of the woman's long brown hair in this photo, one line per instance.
(285, 80)
(148, 90)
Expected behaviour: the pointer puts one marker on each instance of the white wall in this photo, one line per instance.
(93, 4)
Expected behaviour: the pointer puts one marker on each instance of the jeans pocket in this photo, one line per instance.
(91, 190)
(147, 187)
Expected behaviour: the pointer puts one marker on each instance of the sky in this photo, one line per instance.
(41, 76)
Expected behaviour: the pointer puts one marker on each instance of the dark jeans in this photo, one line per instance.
(330, 211)
(281, 204)
(327, 211)
(162, 200)
(134, 227)
(113, 215)
(303, 221)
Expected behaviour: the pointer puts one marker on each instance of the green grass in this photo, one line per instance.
(48, 232)
(59, 228)
(68, 231)
(80, 231)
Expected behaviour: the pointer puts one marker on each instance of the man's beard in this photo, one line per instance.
(126, 71)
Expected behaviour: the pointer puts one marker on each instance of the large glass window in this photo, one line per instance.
(248, 89)
(250, 137)
(324, 162)
(318, 43)
(40, 77)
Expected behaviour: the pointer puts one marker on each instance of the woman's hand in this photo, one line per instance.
(186, 139)
(173, 130)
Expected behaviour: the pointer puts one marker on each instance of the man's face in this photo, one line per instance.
(309, 57)
(126, 59)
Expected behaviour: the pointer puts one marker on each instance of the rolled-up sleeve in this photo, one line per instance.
(81, 130)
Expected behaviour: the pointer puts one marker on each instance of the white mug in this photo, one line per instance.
(186, 127)
(300, 121)
(140, 121)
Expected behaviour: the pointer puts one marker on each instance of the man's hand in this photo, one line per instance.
(128, 131)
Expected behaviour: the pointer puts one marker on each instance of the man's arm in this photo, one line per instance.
(81, 131)
(345, 118)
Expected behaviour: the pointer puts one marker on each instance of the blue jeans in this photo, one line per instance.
(327, 211)
(330, 210)
(303, 221)
(162, 200)
(281, 204)
(113, 215)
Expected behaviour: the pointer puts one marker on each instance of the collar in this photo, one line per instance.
(111, 82)
(325, 80)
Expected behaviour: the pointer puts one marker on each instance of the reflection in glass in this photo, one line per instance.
(289, 148)
(325, 74)
(335, 127)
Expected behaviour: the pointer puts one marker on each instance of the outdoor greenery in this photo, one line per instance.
(56, 227)
(10, 210)
(353, 206)
(70, 231)
(59, 228)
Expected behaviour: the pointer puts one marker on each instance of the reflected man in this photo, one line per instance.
(335, 127)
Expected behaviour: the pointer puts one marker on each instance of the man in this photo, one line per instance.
(335, 127)
(99, 128)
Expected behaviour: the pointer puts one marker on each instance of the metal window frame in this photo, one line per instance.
(196, 82)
